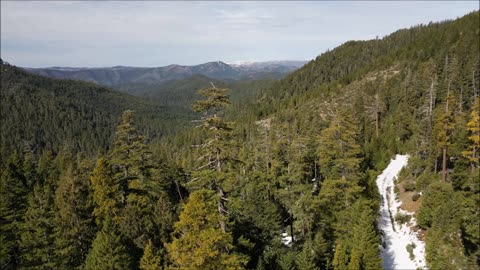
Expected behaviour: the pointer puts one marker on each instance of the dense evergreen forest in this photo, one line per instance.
(43, 113)
(301, 160)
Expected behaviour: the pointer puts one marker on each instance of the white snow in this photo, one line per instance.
(395, 239)
(241, 63)
(286, 240)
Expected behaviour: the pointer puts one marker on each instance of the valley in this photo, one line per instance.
(366, 157)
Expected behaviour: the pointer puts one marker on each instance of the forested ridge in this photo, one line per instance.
(46, 113)
(300, 161)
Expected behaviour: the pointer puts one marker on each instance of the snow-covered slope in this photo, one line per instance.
(396, 237)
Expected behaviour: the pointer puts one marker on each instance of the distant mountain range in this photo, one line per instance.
(122, 75)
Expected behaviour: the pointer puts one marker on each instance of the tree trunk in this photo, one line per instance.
(460, 107)
(267, 162)
(304, 229)
(221, 208)
(474, 150)
(178, 191)
(291, 227)
(377, 109)
(221, 205)
(444, 156)
(432, 104)
(444, 165)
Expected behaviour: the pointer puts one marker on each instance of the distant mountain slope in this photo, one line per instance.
(119, 75)
(182, 93)
(47, 113)
(432, 44)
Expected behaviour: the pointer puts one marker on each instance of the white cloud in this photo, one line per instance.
(158, 33)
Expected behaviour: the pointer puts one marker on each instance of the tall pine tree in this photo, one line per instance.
(199, 242)
(108, 249)
(216, 150)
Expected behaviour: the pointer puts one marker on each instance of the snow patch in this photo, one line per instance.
(241, 63)
(286, 240)
(396, 237)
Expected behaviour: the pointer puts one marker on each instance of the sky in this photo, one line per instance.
(149, 34)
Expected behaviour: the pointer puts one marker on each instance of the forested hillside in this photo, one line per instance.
(43, 113)
(288, 182)
(122, 77)
(181, 93)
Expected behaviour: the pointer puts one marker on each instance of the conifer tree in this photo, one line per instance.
(473, 126)
(338, 194)
(354, 263)
(29, 168)
(47, 171)
(340, 258)
(73, 222)
(444, 248)
(163, 216)
(306, 258)
(357, 237)
(108, 250)
(106, 193)
(130, 157)
(338, 151)
(37, 236)
(365, 242)
(150, 260)
(286, 260)
(216, 150)
(132, 166)
(13, 200)
(198, 240)
(443, 128)
(374, 108)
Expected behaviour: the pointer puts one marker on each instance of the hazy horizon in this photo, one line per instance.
(153, 34)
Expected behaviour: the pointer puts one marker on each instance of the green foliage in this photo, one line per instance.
(106, 193)
(286, 260)
(339, 194)
(216, 150)
(150, 260)
(49, 112)
(257, 220)
(199, 242)
(341, 258)
(402, 218)
(339, 152)
(441, 211)
(410, 247)
(357, 239)
(37, 236)
(424, 181)
(130, 156)
(108, 249)
(473, 127)
(13, 202)
(304, 157)
(409, 186)
(435, 197)
(73, 223)
(306, 259)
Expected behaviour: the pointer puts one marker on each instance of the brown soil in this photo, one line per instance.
(405, 197)
(420, 232)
